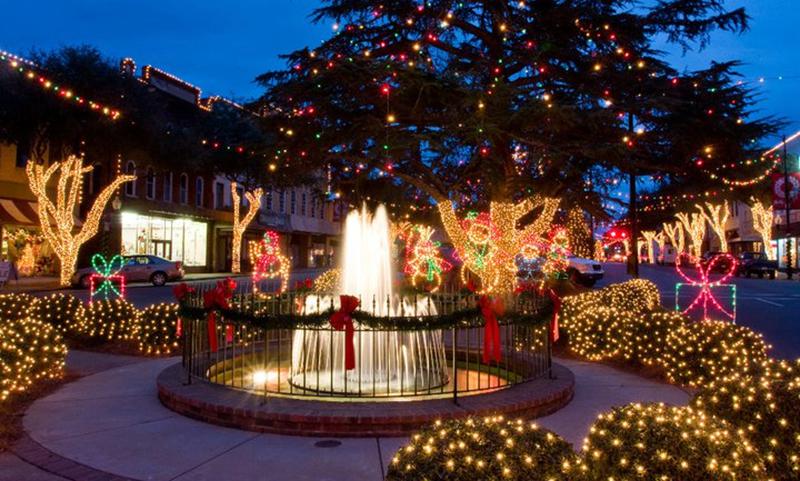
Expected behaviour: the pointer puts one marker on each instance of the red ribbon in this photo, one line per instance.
(178, 328)
(556, 308)
(214, 299)
(490, 309)
(182, 290)
(342, 319)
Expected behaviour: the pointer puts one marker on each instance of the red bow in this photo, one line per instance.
(342, 319)
(182, 290)
(556, 308)
(214, 299)
(490, 309)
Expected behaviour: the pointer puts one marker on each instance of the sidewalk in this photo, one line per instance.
(112, 422)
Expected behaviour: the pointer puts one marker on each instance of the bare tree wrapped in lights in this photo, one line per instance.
(649, 238)
(694, 225)
(763, 217)
(675, 234)
(241, 223)
(717, 216)
(57, 217)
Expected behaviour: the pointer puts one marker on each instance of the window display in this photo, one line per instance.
(184, 240)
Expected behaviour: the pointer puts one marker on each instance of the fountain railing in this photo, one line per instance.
(265, 344)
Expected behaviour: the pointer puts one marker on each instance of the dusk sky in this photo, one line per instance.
(222, 46)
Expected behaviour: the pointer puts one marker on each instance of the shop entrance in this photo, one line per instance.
(161, 248)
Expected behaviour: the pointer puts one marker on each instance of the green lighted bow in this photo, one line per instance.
(107, 271)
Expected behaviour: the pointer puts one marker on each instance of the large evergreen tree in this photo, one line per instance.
(499, 106)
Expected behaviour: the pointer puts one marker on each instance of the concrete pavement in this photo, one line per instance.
(112, 421)
(770, 307)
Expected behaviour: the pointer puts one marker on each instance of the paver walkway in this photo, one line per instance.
(113, 422)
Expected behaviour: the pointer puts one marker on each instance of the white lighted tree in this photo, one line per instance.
(695, 226)
(649, 238)
(716, 216)
(763, 218)
(674, 231)
(240, 223)
(57, 217)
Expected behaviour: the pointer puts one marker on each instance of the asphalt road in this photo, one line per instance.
(766, 306)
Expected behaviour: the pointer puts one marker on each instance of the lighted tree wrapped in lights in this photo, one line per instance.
(717, 216)
(694, 225)
(270, 263)
(675, 234)
(241, 223)
(580, 236)
(424, 263)
(763, 218)
(649, 238)
(57, 217)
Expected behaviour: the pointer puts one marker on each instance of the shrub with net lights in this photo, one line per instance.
(63, 311)
(158, 329)
(112, 320)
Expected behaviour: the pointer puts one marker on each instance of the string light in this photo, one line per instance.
(695, 226)
(270, 263)
(327, 282)
(106, 273)
(424, 264)
(717, 217)
(57, 219)
(240, 223)
(649, 238)
(703, 282)
(30, 71)
(580, 237)
(675, 234)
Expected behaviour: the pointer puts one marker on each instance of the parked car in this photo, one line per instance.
(138, 268)
(756, 263)
(584, 271)
(721, 265)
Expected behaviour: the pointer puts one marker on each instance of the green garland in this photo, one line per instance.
(462, 319)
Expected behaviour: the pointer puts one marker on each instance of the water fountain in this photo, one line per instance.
(388, 361)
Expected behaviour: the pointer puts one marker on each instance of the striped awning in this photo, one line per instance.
(23, 212)
(17, 211)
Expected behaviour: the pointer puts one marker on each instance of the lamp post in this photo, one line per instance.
(787, 202)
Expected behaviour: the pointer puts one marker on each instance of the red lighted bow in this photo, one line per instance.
(342, 319)
(556, 299)
(213, 300)
(490, 309)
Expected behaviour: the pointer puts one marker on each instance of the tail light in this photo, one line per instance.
(178, 265)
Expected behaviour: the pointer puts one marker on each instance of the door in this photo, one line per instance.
(162, 248)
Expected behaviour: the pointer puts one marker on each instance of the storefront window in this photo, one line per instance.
(182, 240)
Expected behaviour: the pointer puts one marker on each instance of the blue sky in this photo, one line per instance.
(222, 48)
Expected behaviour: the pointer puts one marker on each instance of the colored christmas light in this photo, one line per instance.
(706, 297)
(270, 263)
(107, 272)
(57, 218)
(424, 263)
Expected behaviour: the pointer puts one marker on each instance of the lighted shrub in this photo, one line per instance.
(30, 349)
(595, 332)
(327, 282)
(112, 320)
(157, 329)
(490, 449)
(65, 312)
(13, 306)
(658, 442)
(644, 337)
(698, 353)
(767, 408)
(634, 296)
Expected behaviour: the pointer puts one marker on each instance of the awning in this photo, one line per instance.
(17, 211)
(23, 212)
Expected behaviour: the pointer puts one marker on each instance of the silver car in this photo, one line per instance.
(138, 268)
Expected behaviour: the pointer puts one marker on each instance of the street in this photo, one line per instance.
(766, 306)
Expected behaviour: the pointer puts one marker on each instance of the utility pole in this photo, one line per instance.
(634, 265)
(787, 202)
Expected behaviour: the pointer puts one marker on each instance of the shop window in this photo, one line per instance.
(313, 207)
(97, 178)
(150, 184)
(23, 152)
(184, 240)
(183, 189)
(293, 202)
(198, 192)
(303, 204)
(282, 202)
(168, 187)
(130, 187)
(240, 190)
(269, 200)
(219, 195)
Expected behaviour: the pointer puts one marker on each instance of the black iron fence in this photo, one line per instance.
(427, 345)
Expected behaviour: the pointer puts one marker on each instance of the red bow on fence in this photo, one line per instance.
(342, 319)
(180, 292)
(213, 300)
(490, 309)
(556, 308)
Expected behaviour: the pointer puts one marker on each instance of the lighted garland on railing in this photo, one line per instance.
(463, 318)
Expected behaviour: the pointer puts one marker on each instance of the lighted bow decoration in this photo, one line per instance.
(214, 300)
(268, 260)
(556, 263)
(706, 297)
(423, 259)
(343, 320)
(490, 309)
(180, 292)
(107, 272)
